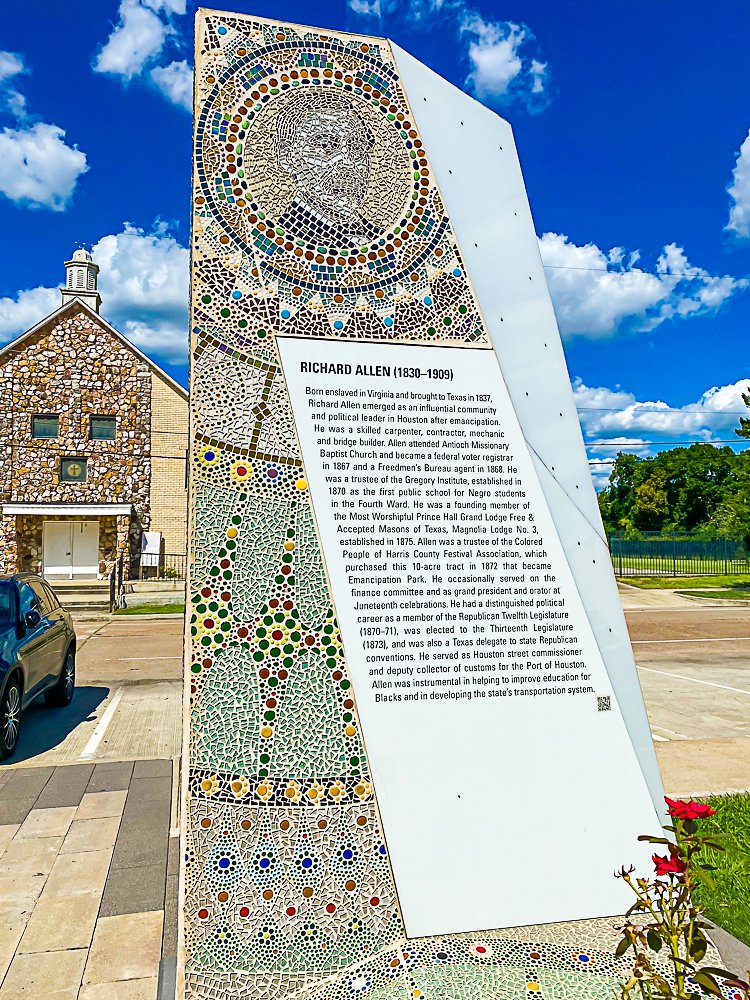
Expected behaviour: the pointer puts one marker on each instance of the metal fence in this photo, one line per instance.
(657, 554)
(166, 566)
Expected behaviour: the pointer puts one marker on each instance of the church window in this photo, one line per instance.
(73, 470)
(103, 428)
(45, 425)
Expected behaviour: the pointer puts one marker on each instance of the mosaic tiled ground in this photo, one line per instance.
(315, 214)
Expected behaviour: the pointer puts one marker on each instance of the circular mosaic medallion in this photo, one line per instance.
(318, 172)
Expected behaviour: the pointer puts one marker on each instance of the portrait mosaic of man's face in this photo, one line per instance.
(324, 144)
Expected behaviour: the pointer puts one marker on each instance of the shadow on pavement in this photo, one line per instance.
(44, 728)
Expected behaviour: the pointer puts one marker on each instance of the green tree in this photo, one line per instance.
(700, 487)
(616, 500)
(651, 504)
(732, 517)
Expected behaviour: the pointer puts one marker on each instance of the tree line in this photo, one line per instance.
(699, 488)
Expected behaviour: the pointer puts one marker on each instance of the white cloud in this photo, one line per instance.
(171, 6)
(137, 39)
(25, 310)
(366, 8)
(11, 64)
(12, 100)
(643, 427)
(739, 192)
(137, 44)
(595, 292)
(176, 82)
(502, 65)
(619, 417)
(500, 68)
(144, 287)
(37, 168)
(379, 8)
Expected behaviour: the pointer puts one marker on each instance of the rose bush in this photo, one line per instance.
(667, 920)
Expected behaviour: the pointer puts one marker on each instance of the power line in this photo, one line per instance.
(653, 274)
(635, 408)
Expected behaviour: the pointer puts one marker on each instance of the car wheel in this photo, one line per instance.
(10, 718)
(62, 693)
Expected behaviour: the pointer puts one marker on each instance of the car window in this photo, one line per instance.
(7, 615)
(42, 600)
(29, 600)
(52, 600)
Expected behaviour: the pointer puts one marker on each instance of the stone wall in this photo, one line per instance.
(75, 368)
(8, 545)
(29, 536)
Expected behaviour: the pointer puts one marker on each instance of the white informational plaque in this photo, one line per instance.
(473, 662)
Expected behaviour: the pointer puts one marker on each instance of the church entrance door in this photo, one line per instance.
(71, 550)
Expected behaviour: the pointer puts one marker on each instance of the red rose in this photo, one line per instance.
(688, 810)
(668, 866)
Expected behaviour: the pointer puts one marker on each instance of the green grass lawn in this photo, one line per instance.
(735, 594)
(154, 609)
(727, 904)
(687, 582)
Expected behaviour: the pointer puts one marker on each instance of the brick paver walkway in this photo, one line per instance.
(88, 880)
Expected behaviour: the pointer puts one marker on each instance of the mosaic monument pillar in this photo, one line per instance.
(378, 780)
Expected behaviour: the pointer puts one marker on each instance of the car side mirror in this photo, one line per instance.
(32, 619)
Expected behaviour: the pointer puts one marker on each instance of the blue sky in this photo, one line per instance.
(630, 121)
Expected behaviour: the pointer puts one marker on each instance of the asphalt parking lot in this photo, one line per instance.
(694, 668)
(128, 701)
(693, 664)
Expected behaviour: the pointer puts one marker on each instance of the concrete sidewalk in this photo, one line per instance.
(88, 880)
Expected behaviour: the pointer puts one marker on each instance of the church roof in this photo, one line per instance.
(80, 304)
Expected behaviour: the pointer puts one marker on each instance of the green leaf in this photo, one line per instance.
(622, 947)
(730, 976)
(654, 941)
(698, 949)
(704, 877)
(707, 983)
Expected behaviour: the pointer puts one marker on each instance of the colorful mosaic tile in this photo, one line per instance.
(316, 214)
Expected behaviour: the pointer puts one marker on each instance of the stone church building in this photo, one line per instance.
(93, 439)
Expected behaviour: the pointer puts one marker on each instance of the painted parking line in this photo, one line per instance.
(659, 739)
(694, 680)
(679, 736)
(656, 642)
(101, 727)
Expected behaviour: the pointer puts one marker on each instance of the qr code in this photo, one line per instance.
(603, 703)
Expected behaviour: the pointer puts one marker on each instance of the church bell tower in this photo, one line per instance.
(82, 280)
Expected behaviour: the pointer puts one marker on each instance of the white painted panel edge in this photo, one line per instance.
(473, 155)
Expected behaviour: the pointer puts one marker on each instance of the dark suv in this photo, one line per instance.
(37, 652)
